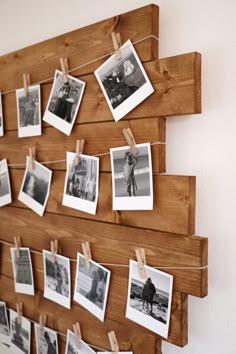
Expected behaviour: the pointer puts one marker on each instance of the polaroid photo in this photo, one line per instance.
(20, 334)
(1, 117)
(71, 347)
(64, 102)
(132, 178)
(81, 183)
(124, 82)
(35, 187)
(29, 111)
(46, 343)
(4, 325)
(149, 302)
(57, 279)
(5, 189)
(91, 286)
(22, 270)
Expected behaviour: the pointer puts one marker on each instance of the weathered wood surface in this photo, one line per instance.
(176, 80)
(81, 46)
(173, 211)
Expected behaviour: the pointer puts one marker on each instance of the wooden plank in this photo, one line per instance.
(173, 211)
(81, 46)
(176, 80)
(99, 138)
(113, 244)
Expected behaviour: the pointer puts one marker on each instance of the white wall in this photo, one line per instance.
(201, 145)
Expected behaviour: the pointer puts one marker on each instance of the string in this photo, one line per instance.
(88, 63)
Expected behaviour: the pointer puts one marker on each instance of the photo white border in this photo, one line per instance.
(84, 347)
(75, 202)
(54, 295)
(19, 287)
(4, 338)
(137, 97)
(33, 130)
(5, 199)
(140, 318)
(26, 199)
(86, 303)
(1, 115)
(137, 202)
(37, 336)
(56, 121)
(26, 325)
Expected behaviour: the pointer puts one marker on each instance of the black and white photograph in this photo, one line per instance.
(149, 301)
(35, 187)
(64, 102)
(29, 111)
(57, 279)
(91, 286)
(1, 117)
(22, 270)
(124, 82)
(46, 342)
(71, 347)
(5, 189)
(4, 325)
(20, 334)
(81, 183)
(132, 187)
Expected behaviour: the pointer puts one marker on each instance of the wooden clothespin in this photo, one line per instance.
(19, 309)
(26, 81)
(54, 249)
(32, 153)
(130, 140)
(17, 245)
(141, 259)
(42, 323)
(64, 68)
(113, 342)
(77, 333)
(79, 150)
(87, 253)
(116, 39)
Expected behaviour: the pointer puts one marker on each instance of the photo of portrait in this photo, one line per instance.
(29, 111)
(149, 301)
(64, 102)
(22, 271)
(124, 82)
(5, 189)
(57, 279)
(71, 347)
(1, 117)
(91, 286)
(81, 183)
(47, 342)
(132, 178)
(35, 187)
(20, 334)
(4, 325)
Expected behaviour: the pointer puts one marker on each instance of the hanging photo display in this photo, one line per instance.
(81, 183)
(46, 342)
(22, 270)
(57, 279)
(35, 187)
(91, 286)
(149, 300)
(132, 178)
(5, 189)
(124, 82)
(29, 111)
(1, 117)
(20, 334)
(64, 102)
(4, 325)
(71, 347)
